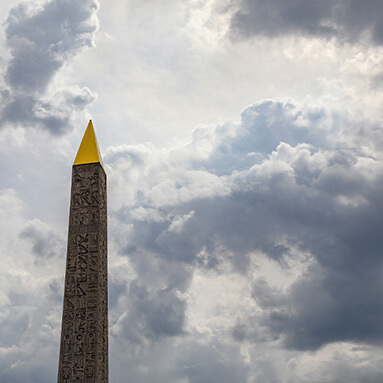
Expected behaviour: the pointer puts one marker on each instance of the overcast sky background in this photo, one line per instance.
(243, 145)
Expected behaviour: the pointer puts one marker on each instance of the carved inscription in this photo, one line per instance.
(84, 336)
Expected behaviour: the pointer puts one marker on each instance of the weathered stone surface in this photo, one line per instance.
(84, 333)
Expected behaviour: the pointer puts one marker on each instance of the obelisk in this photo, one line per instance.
(84, 331)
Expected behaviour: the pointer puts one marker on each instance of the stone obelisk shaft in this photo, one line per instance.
(84, 334)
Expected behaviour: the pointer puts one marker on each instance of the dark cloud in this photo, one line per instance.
(30, 111)
(45, 242)
(326, 307)
(160, 313)
(150, 315)
(310, 193)
(41, 42)
(265, 295)
(345, 20)
(338, 299)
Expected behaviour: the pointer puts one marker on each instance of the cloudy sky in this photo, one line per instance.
(243, 145)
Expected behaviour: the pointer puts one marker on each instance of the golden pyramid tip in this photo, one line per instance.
(88, 151)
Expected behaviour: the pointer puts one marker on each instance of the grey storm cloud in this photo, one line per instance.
(41, 42)
(343, 19)
(292, 183)
(43, 240)
(156, 314)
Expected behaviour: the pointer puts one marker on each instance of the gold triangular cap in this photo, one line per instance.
(88, 151)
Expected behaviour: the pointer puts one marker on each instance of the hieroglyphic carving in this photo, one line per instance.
(84, 337)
